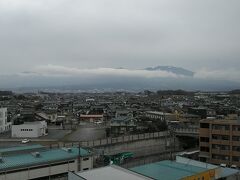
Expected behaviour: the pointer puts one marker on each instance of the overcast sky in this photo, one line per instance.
(200, 35)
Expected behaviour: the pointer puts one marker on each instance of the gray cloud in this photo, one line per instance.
(62, 71)
(134, 34)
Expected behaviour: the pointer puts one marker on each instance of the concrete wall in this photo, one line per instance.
(86, 163)
(140, 145)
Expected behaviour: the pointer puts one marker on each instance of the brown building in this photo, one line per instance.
(219, 141)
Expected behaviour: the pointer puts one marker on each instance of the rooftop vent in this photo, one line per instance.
(223, 165)
(36, 154)
(67, 149)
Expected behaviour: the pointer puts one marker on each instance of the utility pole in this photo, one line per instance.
(79, 157)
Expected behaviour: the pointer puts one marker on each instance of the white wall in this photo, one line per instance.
(29, 130)
(86, 163)
(4, 125)
(40, 172)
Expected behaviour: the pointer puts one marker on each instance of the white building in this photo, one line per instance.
(4, 124)
(30, 129)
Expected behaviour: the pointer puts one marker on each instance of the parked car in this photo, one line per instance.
(24, 141)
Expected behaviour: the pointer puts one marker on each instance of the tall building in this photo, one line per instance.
(219, 141)
(4, 124)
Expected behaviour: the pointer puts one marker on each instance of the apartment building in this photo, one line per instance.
(219, 141)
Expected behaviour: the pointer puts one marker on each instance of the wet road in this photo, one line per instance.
(87, 132)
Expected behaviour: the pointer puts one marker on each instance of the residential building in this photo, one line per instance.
(30, 129)
(5, 125)
(91, 117)
(156, 115)
(219, 141)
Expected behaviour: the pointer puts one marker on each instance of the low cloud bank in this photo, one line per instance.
(62, 71)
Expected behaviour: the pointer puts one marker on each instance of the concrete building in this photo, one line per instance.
(30, 129)
(219, 141)
(5, 125)
(31, 162)
(122, 125)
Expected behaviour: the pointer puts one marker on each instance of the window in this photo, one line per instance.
(236, 148)
(220, 127)
(220, 137)
(85, 159)
(204, 149)
(204, 139)
(221, 147)
(236, 159)
(204, 125)
(236, 138)
(236, 128)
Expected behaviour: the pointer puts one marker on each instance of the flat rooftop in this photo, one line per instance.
(20, 148)
(46, 156)
(169, 170)
(111, 172)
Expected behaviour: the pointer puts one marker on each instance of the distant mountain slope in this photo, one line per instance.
(172, 69)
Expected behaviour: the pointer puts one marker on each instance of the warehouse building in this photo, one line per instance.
(31, 162)
(30, 129)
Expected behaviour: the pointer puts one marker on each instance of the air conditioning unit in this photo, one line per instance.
(67, 149)
(223, 165)
(36, 154)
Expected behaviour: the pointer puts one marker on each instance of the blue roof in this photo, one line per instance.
(20, 148)
(47, 156)
(228, 172)
(169, 170)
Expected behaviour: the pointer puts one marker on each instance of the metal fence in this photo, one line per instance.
(112, 141)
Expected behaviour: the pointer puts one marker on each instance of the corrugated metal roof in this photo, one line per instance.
(20, 148)
(47, 156)
(169, 170)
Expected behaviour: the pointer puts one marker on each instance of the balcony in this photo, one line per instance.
(221, 132)
(204, 144)
(235, 153)
(220, 161)
(236, 133)
(220, 142)
(236, 143)
(204, 154)
(219, 151)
